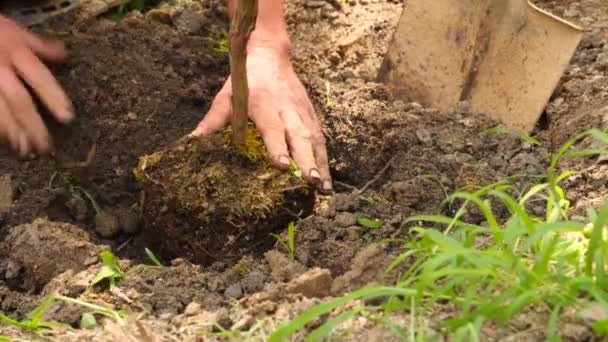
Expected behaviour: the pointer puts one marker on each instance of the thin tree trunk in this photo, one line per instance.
(241, 27)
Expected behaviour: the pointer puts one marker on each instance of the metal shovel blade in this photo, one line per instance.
(503, 57)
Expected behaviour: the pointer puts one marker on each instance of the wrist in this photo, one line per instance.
(279, 42)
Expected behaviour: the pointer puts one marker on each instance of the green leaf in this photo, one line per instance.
(600, 328)
(552, 334)
(369, 223)
(105, 273)
(294, 169)
(291, 238)
(110, 260)
(35, 317)
(88, 321)
(5, 339)
(153, 258)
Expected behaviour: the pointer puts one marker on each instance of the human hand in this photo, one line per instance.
(282, 112)
(21, 125)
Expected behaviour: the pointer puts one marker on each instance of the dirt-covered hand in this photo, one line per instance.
(21, 126)
(282, 112)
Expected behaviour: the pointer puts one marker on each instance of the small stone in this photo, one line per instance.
(131, 116)
(345, 219)
(354, 233)
(253, 282)
(162, 15)
(234, 291)
(129, 221)
(424, 136)
(345, 202)
(315, 283)
(593, 313)
(107, 225)
(192, 309)
(78, 208)
(316, 3)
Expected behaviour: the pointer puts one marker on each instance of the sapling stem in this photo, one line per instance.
(241, 27)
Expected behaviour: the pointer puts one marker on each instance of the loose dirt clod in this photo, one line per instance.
(207, 200)
(6, 195)
(314, 283)
(107, 225)
(37, 252)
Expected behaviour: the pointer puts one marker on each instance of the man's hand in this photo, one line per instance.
(282, 112)
(20, 124)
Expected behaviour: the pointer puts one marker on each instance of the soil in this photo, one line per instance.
(141, 84)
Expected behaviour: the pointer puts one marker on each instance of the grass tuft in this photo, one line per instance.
(490, 272)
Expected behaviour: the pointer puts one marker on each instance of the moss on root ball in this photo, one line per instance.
(206, 200)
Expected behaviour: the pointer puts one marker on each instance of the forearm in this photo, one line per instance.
(271, 29)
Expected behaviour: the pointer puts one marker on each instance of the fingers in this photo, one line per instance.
(38, 76)
(52, 50)
(20, 104)
(320, 151)
(273, 133)
(218, 115)
(300, 142)
(9, 129)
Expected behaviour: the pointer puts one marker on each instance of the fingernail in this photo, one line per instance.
(195, 134)
(315, 176)
(327, 186)
(284, 161)
(68, 114)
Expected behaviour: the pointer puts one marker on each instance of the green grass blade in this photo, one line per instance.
(552, 325)
(153, 258)
(284, 332)
(321, 332)
(35, 317)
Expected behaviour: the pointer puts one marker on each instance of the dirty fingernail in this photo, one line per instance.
(315, 176)
(327, 186)
(284, 161)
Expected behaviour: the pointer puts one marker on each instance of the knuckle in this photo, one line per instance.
(301, 133)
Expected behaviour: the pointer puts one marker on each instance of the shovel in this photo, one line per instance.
(503, 58)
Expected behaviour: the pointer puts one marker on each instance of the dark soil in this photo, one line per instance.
(141, 84)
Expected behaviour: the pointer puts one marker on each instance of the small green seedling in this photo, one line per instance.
(222, 44)
(153, 258)
(110, 271)
(88, 321)
(294, 169)
(289, 244)
(370, 223)
(33, 322)
(503, 130)
(368, 200)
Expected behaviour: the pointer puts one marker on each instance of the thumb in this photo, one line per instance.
(216, 118)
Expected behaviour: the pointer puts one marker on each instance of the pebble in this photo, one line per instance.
(107, 225)
(253, 282)
(345, 219)
(314, 283)
(234, 291)
(316, 3)
(192, 309)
